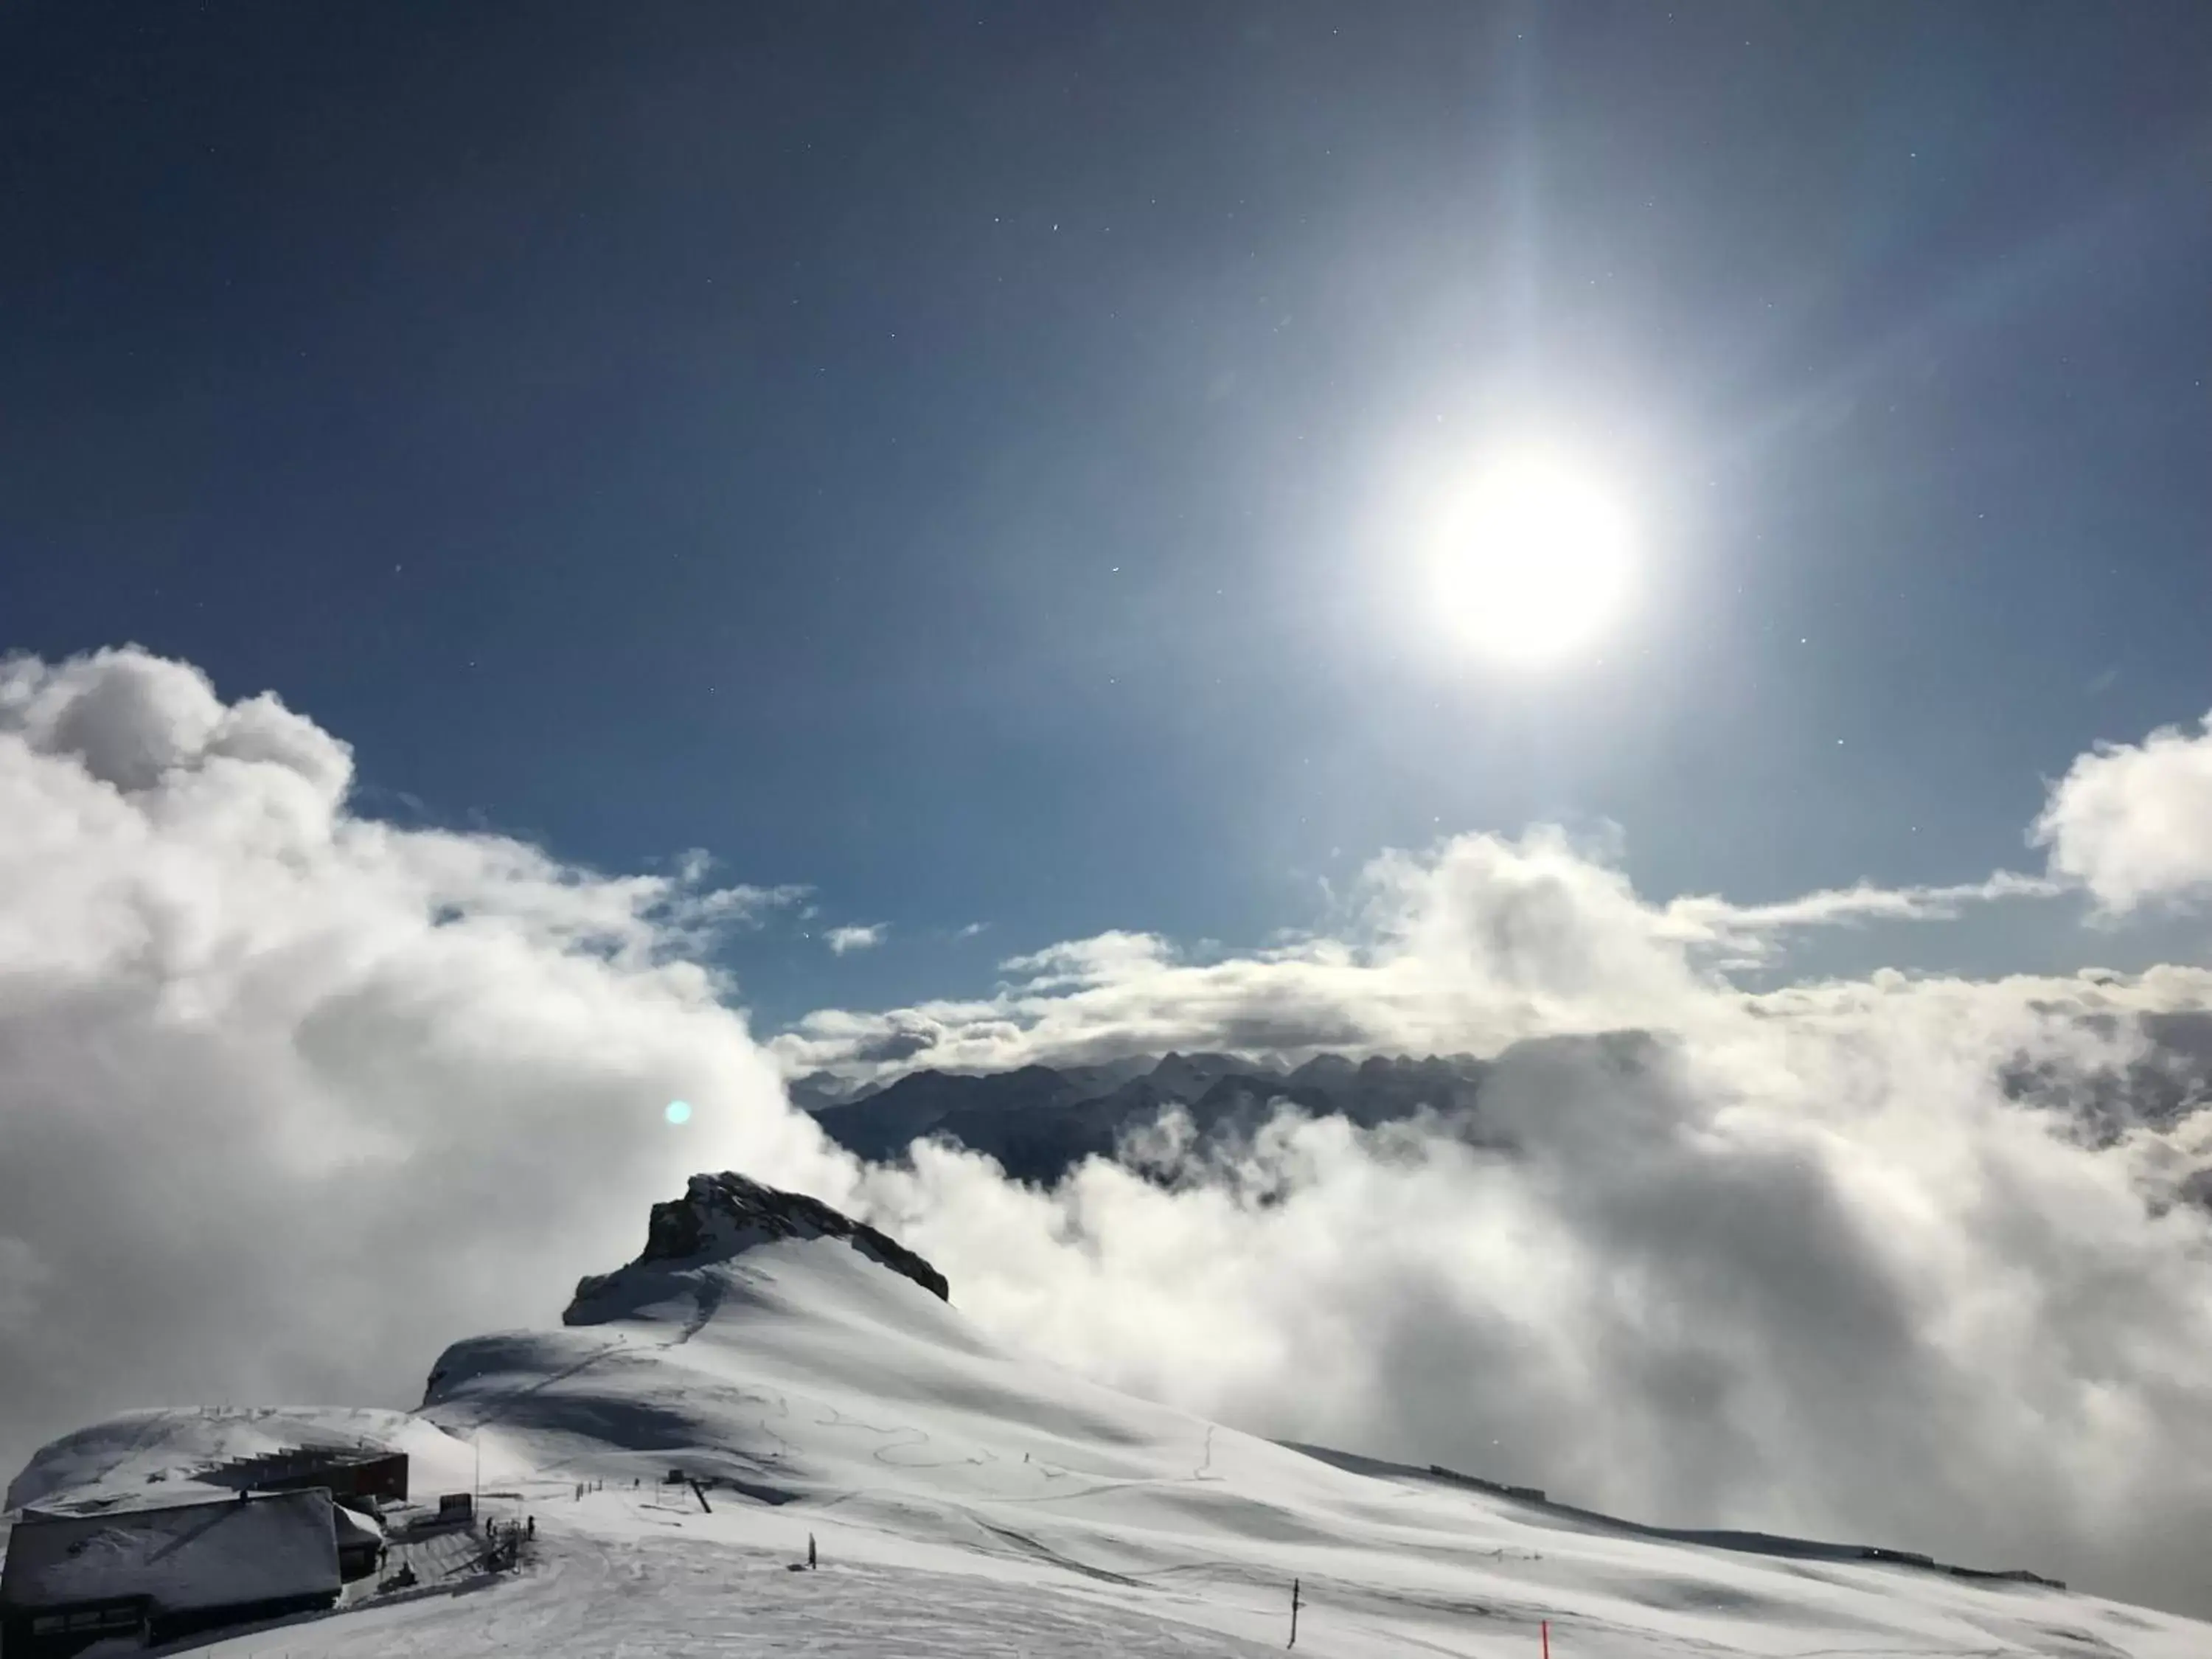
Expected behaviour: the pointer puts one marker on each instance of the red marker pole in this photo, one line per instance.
(1547, 1640)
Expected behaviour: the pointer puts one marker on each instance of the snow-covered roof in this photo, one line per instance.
(230, 1553)
(183, 1455)
(354, 1527)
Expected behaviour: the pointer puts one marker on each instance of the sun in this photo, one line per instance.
(1532, 559)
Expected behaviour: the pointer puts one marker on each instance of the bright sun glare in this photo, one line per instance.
(1533, 560)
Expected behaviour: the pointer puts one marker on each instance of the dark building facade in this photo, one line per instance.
(157, 1574)
(355, 1479)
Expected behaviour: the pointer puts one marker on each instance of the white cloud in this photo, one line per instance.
(1483, 940)
(746, 904)
(1739, 927)
(2133, 822)
(851, 938)
(971, 930)
(740, 906)
(289, 1097)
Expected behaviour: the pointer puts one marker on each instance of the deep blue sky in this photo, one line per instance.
(953, 455)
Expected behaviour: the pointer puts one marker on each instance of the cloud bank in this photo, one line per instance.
(289, 1097)
(1480, 942)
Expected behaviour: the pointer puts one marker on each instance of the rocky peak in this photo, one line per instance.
(722, 1216)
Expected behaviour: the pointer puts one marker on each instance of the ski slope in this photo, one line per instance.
(967, 1500)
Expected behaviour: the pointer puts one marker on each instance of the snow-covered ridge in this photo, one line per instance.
(722, 1216)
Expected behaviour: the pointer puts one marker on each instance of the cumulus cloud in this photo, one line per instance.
(2133, 822)
(842, 941)
(1480, 941)
(1483, 941)
(290, 1096)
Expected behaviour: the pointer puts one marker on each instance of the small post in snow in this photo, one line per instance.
(1293, 1642)
(1547, 1628)
(810, 1552)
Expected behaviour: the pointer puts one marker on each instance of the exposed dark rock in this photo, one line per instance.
(721, 1216)
(2166, 1078)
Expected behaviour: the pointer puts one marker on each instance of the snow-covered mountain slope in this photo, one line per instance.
(155, 1457)
(968, 1500)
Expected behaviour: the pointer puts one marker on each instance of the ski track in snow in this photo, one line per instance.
(674, 1599)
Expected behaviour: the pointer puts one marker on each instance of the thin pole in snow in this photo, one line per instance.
(1293, 1642)
(1548, 1639)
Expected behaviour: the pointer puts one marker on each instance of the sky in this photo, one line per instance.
(965, 460)
(548, 570)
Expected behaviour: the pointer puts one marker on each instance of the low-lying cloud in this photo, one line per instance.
(290, 1096)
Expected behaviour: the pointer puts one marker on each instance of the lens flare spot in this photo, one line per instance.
(679, 1111)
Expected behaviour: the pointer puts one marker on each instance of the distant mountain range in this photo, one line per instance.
(1041, 1121)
